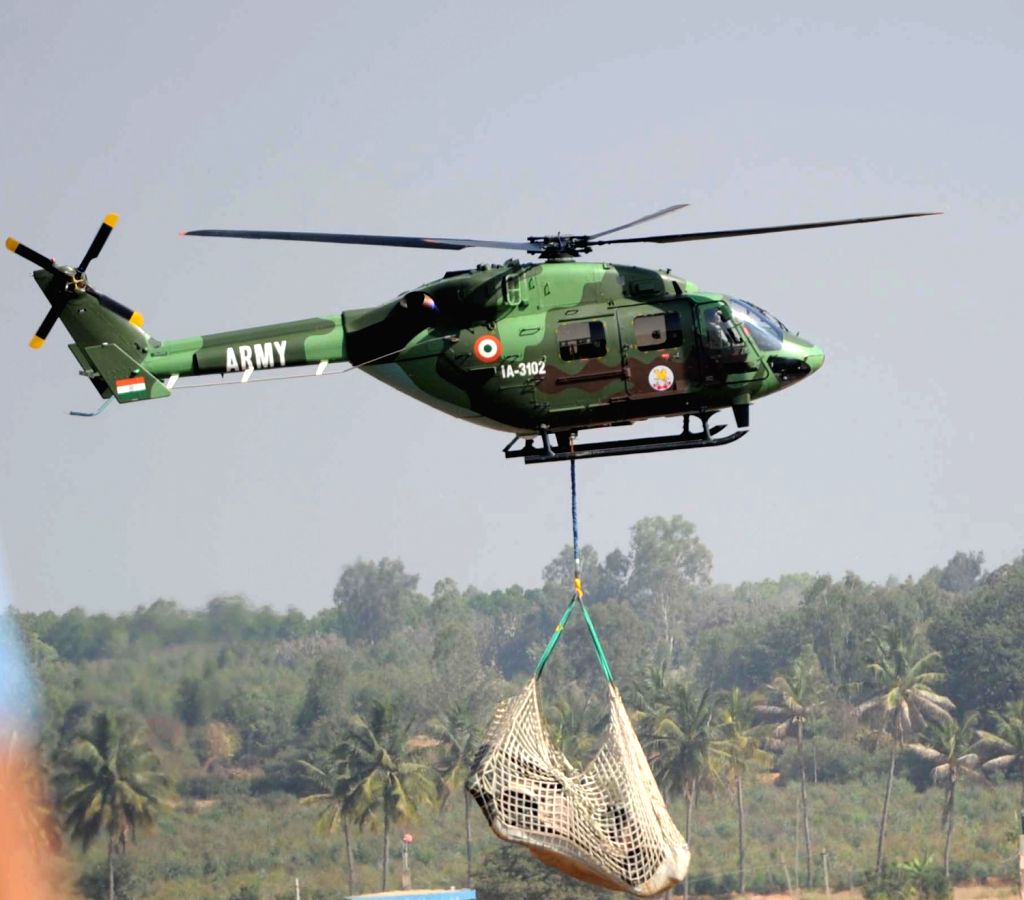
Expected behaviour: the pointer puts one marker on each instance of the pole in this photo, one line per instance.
(796, 847)
(824, 863)
(298, 895)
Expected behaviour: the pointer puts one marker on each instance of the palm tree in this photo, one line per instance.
(737, 746)
(903, 680)
(796, 699)
(951, 749)
(682, 738)
(109, 781)
(386, 774)
(338, 797)
(679, 733)
(649, 689)
(458, 735)
(1007, 741)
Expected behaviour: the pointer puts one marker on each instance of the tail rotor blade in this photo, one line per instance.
(32, 256)
(39, 338)
(109, 221)
(120, 309)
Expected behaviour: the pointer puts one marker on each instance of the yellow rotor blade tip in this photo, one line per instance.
(136, 319)
(110, 219)
(12, 244)
(36, 342)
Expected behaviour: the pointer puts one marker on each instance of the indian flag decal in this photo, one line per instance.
(130, 386)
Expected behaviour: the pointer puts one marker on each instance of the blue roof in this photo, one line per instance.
(453, 894)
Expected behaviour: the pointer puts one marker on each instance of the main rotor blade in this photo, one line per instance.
(33, 257)
(383, 240)
(740, 232)
(653, 215)
(109, 221)
(39, 338)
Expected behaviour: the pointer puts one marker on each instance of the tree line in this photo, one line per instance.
(369, 711)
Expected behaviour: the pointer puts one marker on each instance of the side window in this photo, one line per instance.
(581, 340)
(655, 332)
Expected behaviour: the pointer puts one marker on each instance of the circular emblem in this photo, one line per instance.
(661, 378)
(487, 348)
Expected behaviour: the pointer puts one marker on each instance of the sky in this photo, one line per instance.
(500, 121)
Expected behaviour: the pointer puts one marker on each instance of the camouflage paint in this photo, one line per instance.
(426, 343)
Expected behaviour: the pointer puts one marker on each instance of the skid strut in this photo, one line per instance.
(563, 445)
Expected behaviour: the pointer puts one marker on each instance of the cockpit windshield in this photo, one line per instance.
(767, 331)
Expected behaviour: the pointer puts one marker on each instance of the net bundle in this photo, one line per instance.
(605, 823)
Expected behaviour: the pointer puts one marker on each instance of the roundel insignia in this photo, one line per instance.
(487, 348)
(661, 378)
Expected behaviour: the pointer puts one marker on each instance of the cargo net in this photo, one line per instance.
(605, 823)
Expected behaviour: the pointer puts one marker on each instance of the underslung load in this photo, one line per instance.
(605, 823)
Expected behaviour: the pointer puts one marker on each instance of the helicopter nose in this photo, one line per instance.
(796, 358)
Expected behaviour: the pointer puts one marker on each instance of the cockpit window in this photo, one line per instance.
(721, 333)
(767, 331)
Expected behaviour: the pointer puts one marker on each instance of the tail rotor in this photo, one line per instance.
(74, 281)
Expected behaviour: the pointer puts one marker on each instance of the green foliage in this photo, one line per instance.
(981, 639)
(667, 565)
(235, 696)
(602, 580)
(197, 700)
(510, 873)
(326, 691)
(903, 679)
(749, 653)
(109, 781)
(78, 636)
(962, 572)
(383, 771)
(680, 736)
(832, 760)
(1005, 748)
(375, 600)
(918, 878)
(128, 885)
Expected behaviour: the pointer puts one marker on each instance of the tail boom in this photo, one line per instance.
(302, 343)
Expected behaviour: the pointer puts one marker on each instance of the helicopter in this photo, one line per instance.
(543, 348)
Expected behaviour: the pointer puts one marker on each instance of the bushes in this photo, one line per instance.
(93, 885)
(838, 761)
(919, 878)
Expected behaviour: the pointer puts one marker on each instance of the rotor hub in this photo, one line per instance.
(77, 282)
(559, 246)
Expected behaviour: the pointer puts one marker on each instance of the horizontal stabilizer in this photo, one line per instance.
(125, 378)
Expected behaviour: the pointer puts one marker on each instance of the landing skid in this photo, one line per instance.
(564, 445)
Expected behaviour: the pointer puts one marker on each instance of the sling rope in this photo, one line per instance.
(577, 596)
(605, 823)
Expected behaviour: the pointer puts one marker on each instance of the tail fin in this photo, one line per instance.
(109, 347)
(109, 342)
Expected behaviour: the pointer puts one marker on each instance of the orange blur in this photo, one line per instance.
(26, 859)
